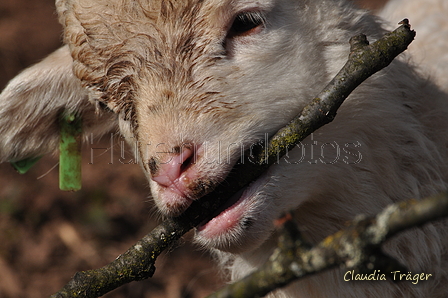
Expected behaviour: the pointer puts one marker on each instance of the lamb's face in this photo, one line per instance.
(196, 84)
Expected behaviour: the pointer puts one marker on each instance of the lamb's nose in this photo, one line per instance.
(168, 173)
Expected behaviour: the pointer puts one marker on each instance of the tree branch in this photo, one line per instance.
(138, 262)
(357, 246)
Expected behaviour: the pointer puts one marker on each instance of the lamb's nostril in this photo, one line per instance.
(187, 163)
(168, 173)
(153, 167)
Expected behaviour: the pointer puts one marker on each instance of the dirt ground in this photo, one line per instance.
(46, 235)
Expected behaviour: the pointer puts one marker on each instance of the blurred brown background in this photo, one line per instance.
(46, 235)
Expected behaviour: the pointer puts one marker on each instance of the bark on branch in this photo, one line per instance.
(138, 262)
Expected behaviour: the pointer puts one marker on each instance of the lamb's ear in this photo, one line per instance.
(31, 104)
(106, 59)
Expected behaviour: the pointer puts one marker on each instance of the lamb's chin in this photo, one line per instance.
(242, 224)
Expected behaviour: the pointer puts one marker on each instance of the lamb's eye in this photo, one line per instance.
(246, 23)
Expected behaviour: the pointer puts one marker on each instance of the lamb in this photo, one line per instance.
(192, 84)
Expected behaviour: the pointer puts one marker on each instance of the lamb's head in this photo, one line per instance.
(195, 84)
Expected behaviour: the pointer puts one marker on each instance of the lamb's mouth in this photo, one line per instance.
(225, 217)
